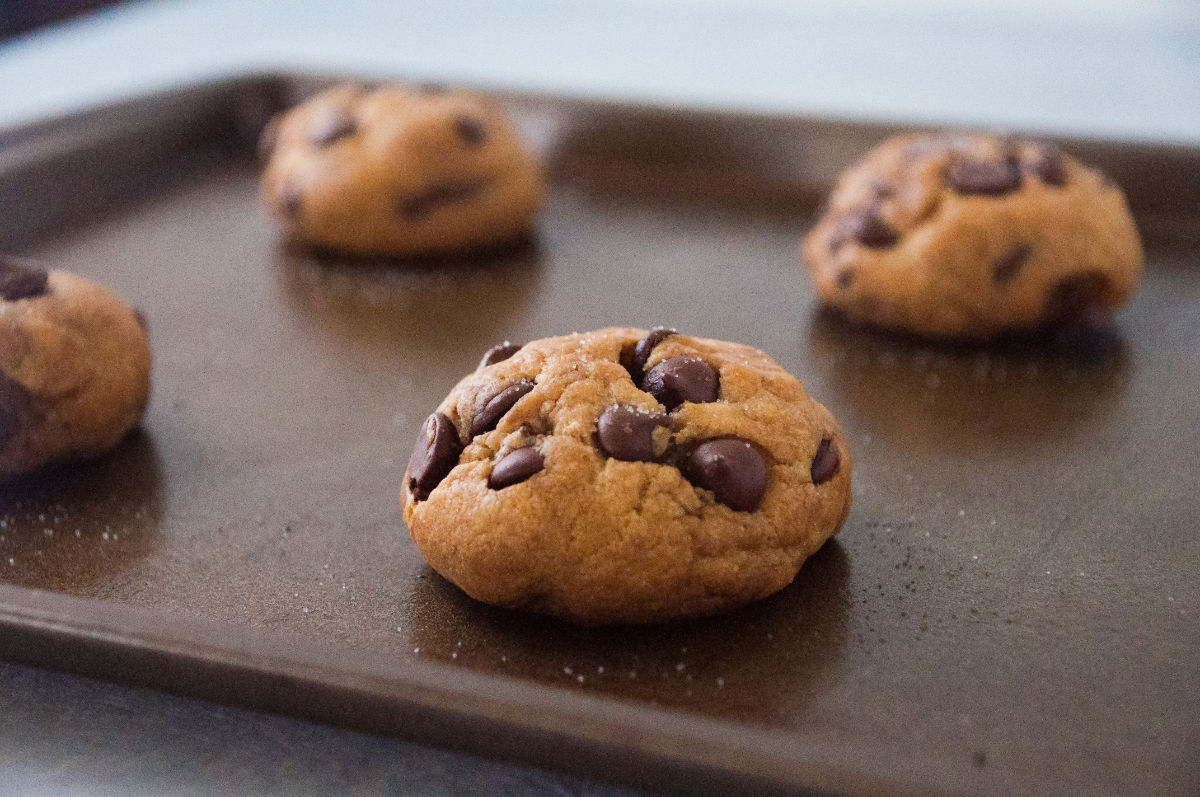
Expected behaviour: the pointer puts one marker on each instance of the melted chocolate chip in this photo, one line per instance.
(1079, 300)
(1049, 166)
(825, 462)
(498, 353)
(1007, 267)
(516, 467)
(870, 230)
(982, 177)
(627, 433)
(845, 278)
(431, 88)
(140, 317)
(681, 379)
(330, 128)
(634, 358)
(19, 281)
(496, 406)
(470, 130)
(641, 351)
(435, 454)
(420, 205)
(732, 469)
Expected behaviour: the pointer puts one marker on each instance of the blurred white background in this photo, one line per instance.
(1108, 68)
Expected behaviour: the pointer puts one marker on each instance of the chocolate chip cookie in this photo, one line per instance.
(399, 171)
(973, 235)
(625, 476)
(74, 368)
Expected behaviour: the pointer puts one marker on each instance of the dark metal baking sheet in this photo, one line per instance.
(1011, 605)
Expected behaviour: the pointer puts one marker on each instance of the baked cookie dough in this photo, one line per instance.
(399, 171)
(973, 235)
(74, 368)
(625, 476)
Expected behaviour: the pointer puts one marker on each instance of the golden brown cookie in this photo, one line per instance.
(74, 368)
(973, 235)
(399, 171)
(626, 476)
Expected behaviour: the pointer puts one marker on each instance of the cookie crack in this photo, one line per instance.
(422, 204)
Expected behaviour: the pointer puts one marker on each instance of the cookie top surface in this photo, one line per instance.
(74, 367)
(399, 170)
(626, 476)
(973, 235)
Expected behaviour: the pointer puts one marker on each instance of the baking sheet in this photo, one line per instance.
(1011, 604)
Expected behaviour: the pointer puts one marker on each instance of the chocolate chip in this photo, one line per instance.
(1049, 166)
(845, 278)
(470, 130)
(1007, 267)
(331, 127)
(140, 317)
(431, 88)
(496, 406)
(415, 207)
(268, 138)
(516, 467)
(681, 379)
(1079, 300)
(498, 353)
(870, 230)
(634, 358)
(982, 177)
(825, 462)
(435, 454)
(627, 433)
(19, 281)
(733, 469)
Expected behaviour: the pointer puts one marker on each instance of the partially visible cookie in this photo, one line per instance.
(625, 476)
(973, 235)
(74, 368)
(399, 171)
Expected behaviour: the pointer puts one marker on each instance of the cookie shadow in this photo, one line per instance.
(760, 661)
(436, 304)
(1025, 392)
(72, 526)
